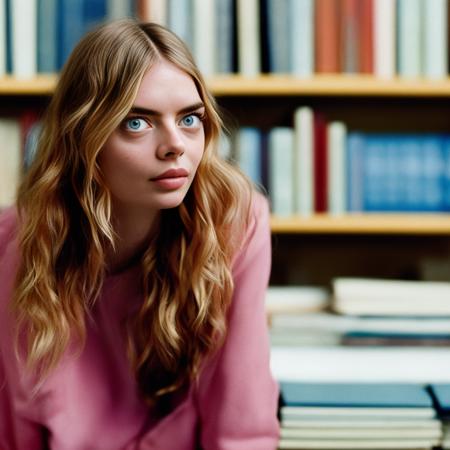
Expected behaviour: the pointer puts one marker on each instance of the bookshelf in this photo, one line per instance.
(313, 248)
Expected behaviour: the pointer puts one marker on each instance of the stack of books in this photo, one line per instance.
(357, 415)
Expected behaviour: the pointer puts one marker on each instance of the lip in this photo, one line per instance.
(171, 173)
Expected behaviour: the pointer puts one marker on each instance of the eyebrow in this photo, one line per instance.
(152, 112)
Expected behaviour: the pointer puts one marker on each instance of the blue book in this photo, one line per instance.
(47, 28)
(355, 395)
(75, 18)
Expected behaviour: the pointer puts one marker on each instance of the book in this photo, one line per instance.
(363, 296)
(279, 35)
(350, 36)
(435, 43)
(181, 21)
(224, 36)
(327, 36)
(303, 161)
(409, 38)
(384, 38)
(248, 33)
(23, 21)
(291, 299)
(10, 160)
(366, 35)
(281, 183)
(361, 364)
(204, 19)
(356, 395)
(320, 163)
(47, 36)
(336, 169)
(248, 153)
(357, 444)
(301, 38)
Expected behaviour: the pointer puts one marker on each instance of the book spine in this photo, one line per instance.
(281, 189)
(47, 36)
(409, 38)
(435, 51)
(384, 38)
(248, 32)
(303, 161)
(301, 37)
(204, 48)
(3, 38)
(337, 189)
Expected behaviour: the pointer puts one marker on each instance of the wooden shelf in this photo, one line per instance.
(423, 224)
(273, 85)
(40, 85)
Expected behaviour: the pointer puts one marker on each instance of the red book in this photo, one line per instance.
(365, 20)
(320, 163)
(350, 36)
(327, 36)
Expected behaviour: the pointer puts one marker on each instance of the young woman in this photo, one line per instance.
(133, 269)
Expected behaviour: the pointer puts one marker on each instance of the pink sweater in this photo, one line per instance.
(91, 401)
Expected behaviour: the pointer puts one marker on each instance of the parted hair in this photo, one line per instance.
(65, 227)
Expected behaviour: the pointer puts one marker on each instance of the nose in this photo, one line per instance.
(171, 144)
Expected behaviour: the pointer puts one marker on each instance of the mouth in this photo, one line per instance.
(170, 174)
(171, 179)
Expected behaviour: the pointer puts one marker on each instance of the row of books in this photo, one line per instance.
(319, 166)
(299, 37)
(363, 415)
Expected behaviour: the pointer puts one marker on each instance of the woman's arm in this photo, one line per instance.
(237, 396)
(18, 431)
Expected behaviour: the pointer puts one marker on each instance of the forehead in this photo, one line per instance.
(165, 86)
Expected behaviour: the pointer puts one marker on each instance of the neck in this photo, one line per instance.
(134, 230)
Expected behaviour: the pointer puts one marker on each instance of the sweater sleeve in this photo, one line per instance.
(18, 428)
(237, 396)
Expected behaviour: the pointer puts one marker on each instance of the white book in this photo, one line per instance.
(10, 160)
(409, 37)
(2, 37)
(391, 297)
(204, 27)
(336, 170)
(248, 40)
(370, 433)
(341, 323)
(24, 38)
(281, 183)
(289, 299)
(384, 38)
(357, 444)
(301, 25)
(355, 364)
(435, 47)
(340, 422)
(304, 161)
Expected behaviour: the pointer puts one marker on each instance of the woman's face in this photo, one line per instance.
(150, 160)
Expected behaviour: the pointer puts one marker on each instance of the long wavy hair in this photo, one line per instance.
(66, 221)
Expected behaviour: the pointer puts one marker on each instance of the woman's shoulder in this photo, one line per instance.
(257, 230)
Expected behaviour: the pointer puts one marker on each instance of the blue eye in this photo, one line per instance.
(135, 124)
(190, 121)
